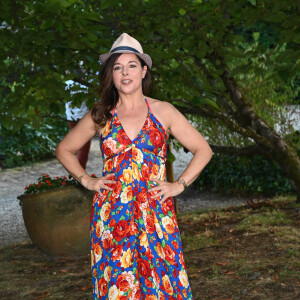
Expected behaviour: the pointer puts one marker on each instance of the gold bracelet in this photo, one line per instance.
(79, 178)
(182, 181)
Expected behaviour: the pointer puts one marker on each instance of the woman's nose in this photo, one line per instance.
(125, 71)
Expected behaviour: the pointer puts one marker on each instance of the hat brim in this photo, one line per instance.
(145, 57)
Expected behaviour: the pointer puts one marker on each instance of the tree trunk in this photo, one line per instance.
(289, 161)
(274, 146)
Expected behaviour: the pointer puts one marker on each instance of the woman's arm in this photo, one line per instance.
(178, 126)
(69, 146)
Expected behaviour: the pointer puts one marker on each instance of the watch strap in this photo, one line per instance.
(182, 181)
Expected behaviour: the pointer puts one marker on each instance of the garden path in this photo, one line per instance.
(13, 181)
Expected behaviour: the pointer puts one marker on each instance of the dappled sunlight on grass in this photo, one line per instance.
(255, 251)
(262, 222)
(232, 253)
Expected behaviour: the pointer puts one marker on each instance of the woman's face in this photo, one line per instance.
(128, 74)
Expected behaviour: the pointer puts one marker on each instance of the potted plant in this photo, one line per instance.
(56, 213)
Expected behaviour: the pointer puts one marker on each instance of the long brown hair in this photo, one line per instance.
(109, 94)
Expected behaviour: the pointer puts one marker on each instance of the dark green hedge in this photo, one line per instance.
(29, 145)
(235, 174)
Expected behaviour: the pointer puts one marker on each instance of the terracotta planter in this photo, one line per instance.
(57, 221)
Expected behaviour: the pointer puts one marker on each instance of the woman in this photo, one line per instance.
(136, 250)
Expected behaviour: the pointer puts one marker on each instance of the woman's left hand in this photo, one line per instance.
(166, 189)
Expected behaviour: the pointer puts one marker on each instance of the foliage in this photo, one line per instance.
(46, 183)
(235, 63)
(237, 174)
(21, 147)
(46, 43)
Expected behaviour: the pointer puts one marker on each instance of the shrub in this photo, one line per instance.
(229, 173)
(29, 144)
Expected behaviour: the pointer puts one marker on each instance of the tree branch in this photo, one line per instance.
(222, 100)
(226, 119)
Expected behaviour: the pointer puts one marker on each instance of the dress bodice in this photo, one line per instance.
(116, 145)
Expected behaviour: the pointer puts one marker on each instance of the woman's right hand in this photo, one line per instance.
(95, 184)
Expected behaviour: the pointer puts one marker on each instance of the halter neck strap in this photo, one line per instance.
(149, 107)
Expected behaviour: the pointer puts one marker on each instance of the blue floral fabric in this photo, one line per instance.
(136, 251)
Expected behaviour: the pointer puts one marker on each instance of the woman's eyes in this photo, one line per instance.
(118, 68)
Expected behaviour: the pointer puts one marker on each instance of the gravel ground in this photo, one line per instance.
(13, 181)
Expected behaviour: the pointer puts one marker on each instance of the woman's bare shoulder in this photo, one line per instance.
(160, 106)
(163, 111)
(88, 122)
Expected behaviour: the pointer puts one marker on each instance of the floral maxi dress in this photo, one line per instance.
(136, 251)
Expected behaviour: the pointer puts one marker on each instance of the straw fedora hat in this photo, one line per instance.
(127, 44)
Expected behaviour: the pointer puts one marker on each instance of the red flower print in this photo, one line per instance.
(122, 137)
(181, 259)
(121, 229)
(145, 172)
(141, 197)
(136, 249)
(157, 278)
(112, 223)
(133, 227)
(102, 286)
(125, 281)
(135, 293)
(169, 254)
(161, 296)
(106, 239)
(165, 208)
(136, 210)
(167, 285)
(109, 147)
(149, 254)
(175, 244)
(155, 169)
(116, 252)
(148, 284)
(121, 158)
(109, 164)
(156, 138)
(150, 225)
(117, 189)
(144, 268)
(153, 203)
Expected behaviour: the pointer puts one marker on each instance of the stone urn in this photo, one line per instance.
(57, 221)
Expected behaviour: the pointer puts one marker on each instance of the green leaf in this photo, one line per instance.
(174, 64)
(256, 36)
(182, 11)
(253, 2)
(170, 157)
(47, 23)
(105, 4)
(198, 100)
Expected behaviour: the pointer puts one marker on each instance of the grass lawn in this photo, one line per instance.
(234, 253)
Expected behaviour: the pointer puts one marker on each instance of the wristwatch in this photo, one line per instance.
(182, 181)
